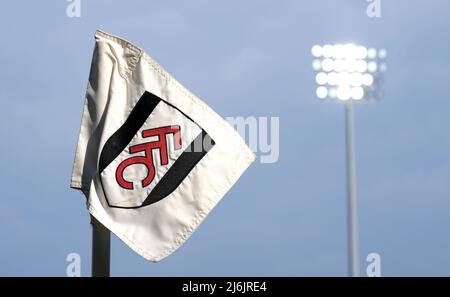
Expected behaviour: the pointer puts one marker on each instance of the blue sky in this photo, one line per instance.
(244, 58)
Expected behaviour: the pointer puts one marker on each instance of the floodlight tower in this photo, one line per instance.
(349, 73)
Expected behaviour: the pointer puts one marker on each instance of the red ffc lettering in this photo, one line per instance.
(147, 159)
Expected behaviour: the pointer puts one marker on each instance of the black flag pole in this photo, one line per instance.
(101, 245)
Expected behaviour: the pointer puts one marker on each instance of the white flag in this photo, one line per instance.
(152, 159)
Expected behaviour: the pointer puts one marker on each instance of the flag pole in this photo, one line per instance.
(101, 244)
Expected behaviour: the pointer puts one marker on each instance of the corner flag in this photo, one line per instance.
(152, 159)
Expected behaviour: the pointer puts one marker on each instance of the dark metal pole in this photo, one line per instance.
(101, 241)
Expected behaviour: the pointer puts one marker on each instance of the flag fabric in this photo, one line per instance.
(152, 159)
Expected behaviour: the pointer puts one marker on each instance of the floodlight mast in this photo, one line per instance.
(349, 73)
(352, 212)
